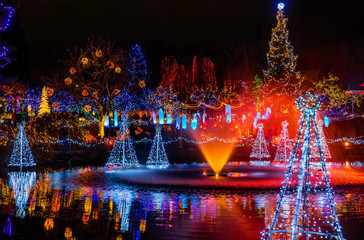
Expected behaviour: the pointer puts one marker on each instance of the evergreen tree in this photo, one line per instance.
(260, 149)
(44, 106)
(123, 153)
(284, 148)
(21, 155)
(137, 69)
(157, 156)
(281, 78)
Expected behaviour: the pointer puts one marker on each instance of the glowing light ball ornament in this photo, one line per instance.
(280, 6)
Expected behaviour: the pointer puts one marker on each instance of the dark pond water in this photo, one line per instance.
(89, 204)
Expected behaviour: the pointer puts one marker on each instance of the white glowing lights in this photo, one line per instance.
(306, 207)
(280, 6)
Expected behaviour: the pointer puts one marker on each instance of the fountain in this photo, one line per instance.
(217, 154)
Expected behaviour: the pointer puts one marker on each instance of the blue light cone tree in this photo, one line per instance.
(157, 156)
(21, 183)
(21, 155)
(306, 208)
(123, 153)
(284, 148)
(260, 149)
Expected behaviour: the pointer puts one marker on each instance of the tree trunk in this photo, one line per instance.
(101, 126)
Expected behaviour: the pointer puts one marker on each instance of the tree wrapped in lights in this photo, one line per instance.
(284, 148)
(95, 76)
(21, 183)
(157, 156)
(123, 153)
(44, 105)
(325, 147)
(137, 69)
(306, 208)
(21, 155)
(260, 149)
(282, 80)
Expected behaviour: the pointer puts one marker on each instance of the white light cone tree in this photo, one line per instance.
(123, 153)
(21, 155)
(306, 208)
(260, 149)
(157, 156)
(285, 145)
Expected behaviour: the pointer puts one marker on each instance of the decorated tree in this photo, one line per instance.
(157, 156)
(123, 153)
(95, 76)
(137, 67)
(260, 148)
(44, 105)
(284, 148)
(282, 81)
(21, 155)
(14, 93)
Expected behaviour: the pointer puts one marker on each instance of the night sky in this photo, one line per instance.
(326, 35)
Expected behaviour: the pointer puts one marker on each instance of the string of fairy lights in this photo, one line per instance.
(236, 141)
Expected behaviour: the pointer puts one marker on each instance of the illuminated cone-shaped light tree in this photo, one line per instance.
(44, 105)
(123, 153)
(21, 155)
(157, 156)
(260, 149)
(21, 183)
(306, 208)
(284, 148)
(325, 147)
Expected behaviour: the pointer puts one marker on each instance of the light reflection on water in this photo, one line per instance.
(89, 204)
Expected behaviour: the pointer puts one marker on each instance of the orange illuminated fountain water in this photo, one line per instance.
(217, 154)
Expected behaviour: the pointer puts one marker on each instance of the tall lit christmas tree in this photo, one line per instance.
(157, 156)
(284, 148)
(21, 155)
(123, 153)
(137, 69)
(282, 79)
(44, 105)
(306, 208)
(6, 14)
(260, 149)
(21, 183)
(325, 147)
